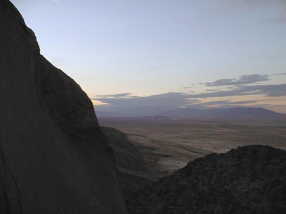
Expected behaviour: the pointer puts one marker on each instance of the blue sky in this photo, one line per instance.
(142, 48)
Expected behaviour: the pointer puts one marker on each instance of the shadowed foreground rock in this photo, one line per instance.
(127, 156)
(132, 174)
(54, 158)
(247, 180)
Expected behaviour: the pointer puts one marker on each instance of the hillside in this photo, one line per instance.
(243, 181)
(127, 156)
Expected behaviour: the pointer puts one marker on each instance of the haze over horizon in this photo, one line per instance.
(131, 54)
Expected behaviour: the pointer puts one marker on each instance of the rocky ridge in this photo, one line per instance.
(246, 180)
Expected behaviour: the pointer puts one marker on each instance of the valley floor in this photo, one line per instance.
(170, 145)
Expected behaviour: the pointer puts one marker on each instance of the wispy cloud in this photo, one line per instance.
(161, 103)
(145, 105)
(243, 80)
(235, 92)
(279, 74)
(121, 95)
(228, 103)
(266, 90)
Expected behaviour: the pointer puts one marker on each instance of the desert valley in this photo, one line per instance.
(169, 144)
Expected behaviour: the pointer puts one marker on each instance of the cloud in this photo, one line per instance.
(144, 106)
(124, 104)
(266, 90)
(228, 103)
(161, 103)
(121, 95)
(243, 80)
(279, 74)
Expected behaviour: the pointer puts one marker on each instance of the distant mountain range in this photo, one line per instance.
(236, 113)
(233, 114)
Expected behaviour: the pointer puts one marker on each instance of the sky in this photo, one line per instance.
(163, 54)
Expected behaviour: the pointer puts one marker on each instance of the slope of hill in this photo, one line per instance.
(126, 154)
(247, 180)
(129, 161)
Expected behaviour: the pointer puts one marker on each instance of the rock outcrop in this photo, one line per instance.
(54, 158)
(127, 156)
(132, 172)
(247, 180)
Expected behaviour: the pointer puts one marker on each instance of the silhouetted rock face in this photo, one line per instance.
(247, 180)
(54, 158)
(129, 161)
(128, 157)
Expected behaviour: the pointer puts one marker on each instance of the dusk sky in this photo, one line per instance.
(167, 53)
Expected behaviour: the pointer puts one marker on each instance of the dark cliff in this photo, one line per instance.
(132, 173)
(53, 156)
